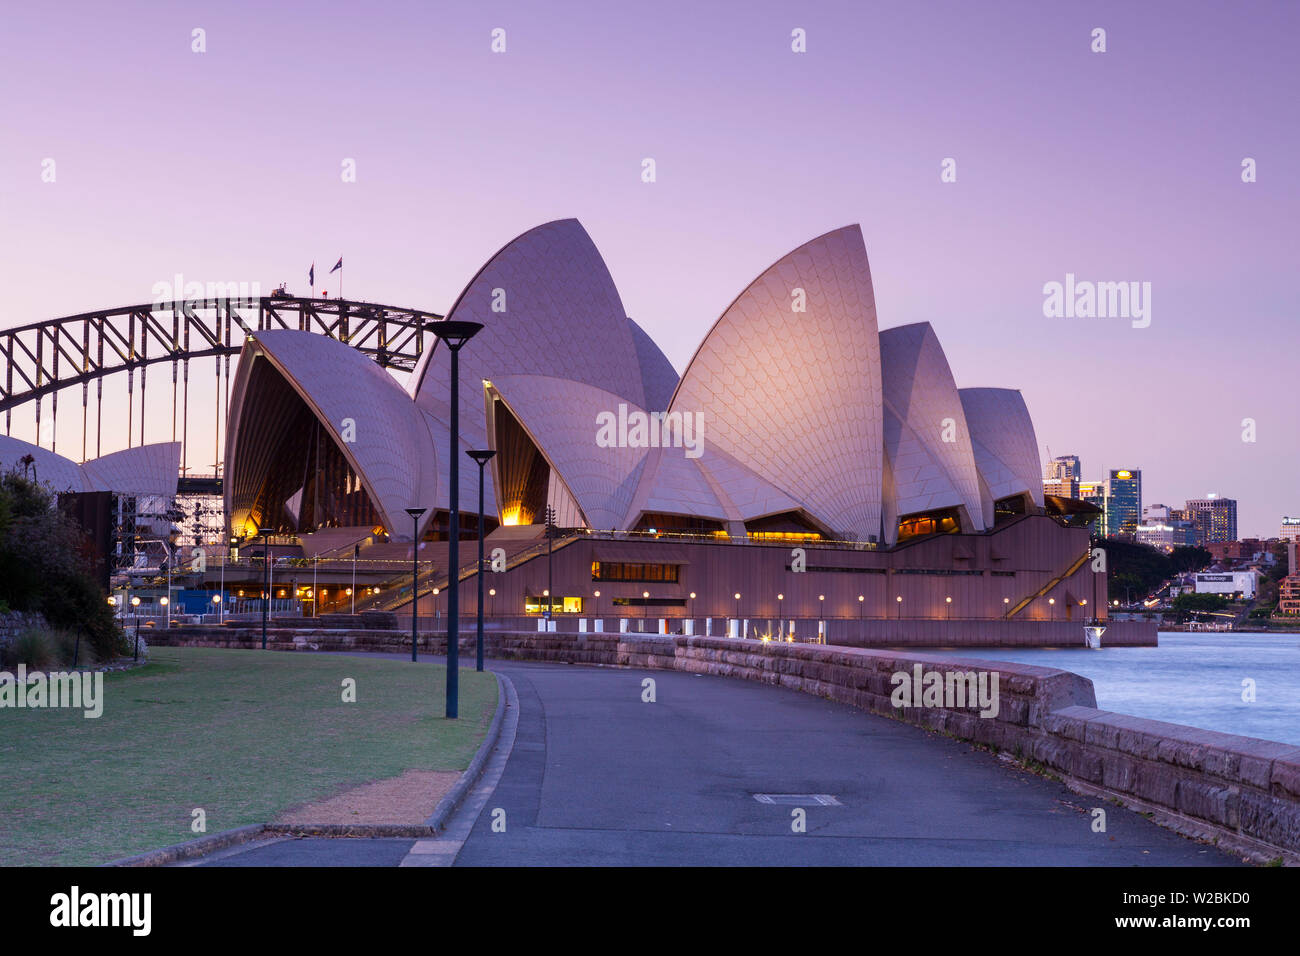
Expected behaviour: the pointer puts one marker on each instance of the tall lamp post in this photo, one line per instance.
(415, 514)
(550, 567)
(356, 550)
(266, 561)
(135, 605)
(454, 334)
(482, 457)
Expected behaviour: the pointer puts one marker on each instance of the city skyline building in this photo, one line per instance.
(1215, 518)
(1123, 502)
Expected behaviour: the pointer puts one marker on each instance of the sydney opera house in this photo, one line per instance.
(806, 464)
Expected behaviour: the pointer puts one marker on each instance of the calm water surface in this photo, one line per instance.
(1189, 679)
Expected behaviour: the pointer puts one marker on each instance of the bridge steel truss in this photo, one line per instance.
(45, 358)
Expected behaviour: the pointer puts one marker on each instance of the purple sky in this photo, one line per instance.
(1125, 165)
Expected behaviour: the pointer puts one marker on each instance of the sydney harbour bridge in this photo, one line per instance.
(146, 351)
(124, 344)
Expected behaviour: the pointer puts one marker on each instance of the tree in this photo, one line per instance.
(44, 568)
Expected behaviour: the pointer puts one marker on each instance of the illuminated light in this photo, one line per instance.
(112, 601)
(899, 599)
(780, 597)
(1006, 600)
(282, 593)
(737, 595)
(135, 602)
(1115, 603)
(163, 601)
(821, 597)
(216, 599)
(493, 592)
(596, 593)
(861, 597)
(1081, 603)
(1051, 600)
(348, 592)
(546, 592)
(948, 599)
(1123, 474)
(435, 592)
(692, 594)
(645, 594)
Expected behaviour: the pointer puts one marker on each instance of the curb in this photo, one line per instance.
(193, 849)
(448, 804)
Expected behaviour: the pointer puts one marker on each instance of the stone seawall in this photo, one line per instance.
(1241, 792)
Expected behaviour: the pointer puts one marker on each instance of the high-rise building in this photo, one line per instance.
(1096, 493)
(1290, 529)
(1124, 502)
(1215, 518)
(1156, 513)
(1062, 468)
(1061, 488)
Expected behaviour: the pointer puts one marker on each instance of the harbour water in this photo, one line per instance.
(1193, 679)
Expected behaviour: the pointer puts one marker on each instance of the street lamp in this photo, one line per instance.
(862, 608)
(356, 551)
(482, 457)
(415, 514)
(899, 600)
(1052, 603)
(948, 608)
(266, 560)
(217, 600)
(454, 334)
(1006, 603)
(492, 593)
(135, 603)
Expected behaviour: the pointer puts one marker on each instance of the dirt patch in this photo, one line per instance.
(410, 798)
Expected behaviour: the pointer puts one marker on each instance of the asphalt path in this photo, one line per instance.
(599, 776)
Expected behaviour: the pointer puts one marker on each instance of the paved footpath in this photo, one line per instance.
(596, 776)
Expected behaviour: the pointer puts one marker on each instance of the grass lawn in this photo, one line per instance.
(241, 734)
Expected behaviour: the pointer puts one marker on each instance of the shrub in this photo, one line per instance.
(32, 647)
(41, 648)
(44, 566)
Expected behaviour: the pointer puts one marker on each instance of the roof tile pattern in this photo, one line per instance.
(562, 317)
(1006, 448)
(393, 451)
(795, 396)
(561, 418)
(922, 408)
(142, 470)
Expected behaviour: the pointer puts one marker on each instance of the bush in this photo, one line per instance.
(41, 648)
(44, 567)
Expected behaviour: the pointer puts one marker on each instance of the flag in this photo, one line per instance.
(311, 275)
(337, 266)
